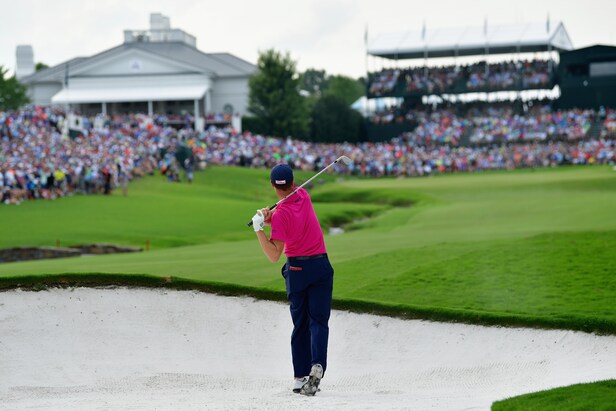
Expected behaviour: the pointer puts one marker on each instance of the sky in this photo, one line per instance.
(320, 34)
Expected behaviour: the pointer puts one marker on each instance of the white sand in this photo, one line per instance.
(152, 349)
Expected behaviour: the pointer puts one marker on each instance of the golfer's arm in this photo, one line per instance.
(272, 248)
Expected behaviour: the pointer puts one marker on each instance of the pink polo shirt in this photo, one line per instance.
(296, 225)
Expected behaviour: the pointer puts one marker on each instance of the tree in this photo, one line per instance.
(314, 81)
(347, 88)
(12, 92)
(274, 96)
(40, 66)
(334, 121)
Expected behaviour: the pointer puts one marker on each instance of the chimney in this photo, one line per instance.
(159, 22)
(25, 61)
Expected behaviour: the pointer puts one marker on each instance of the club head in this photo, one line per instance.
(344, 159)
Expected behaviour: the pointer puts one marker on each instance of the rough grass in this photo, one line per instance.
(598, 396)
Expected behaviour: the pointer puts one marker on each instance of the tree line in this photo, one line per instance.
(310, 106)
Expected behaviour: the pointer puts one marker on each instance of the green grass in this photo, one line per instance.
(560, 277)
(598, 396)
(531, 247)
(215, 208)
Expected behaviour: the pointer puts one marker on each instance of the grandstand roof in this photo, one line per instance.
(470, 41)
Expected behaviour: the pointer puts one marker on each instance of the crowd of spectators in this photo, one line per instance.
(384, 82)
(38, 162)
(501, 124)
(438, 127)
(402, 156)
(392, 114)
(492, 123)
(430, 80)
(536, 73)
(493, 76)
(510, 75)
(218, 118)
(609, 124)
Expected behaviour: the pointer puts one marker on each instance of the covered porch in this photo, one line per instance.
(168, 100)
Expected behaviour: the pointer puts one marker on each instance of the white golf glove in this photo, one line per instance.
(258, 221)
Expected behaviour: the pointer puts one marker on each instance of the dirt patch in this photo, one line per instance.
(9, 255)
(97, 249)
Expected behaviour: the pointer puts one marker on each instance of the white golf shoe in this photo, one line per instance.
(299, 383)
(312, 386)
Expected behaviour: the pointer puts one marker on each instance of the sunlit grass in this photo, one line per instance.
(525, 247)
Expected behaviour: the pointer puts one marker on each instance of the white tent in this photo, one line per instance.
(467, 41)
(367, 106)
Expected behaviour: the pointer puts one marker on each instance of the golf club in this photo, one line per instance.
(343, 159)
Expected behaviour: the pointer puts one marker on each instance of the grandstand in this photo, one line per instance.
(415, 75)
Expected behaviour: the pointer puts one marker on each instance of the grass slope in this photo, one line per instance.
(525, 247)
(598, 396)
(216, 207)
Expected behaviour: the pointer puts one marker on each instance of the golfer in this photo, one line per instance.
(308, 275)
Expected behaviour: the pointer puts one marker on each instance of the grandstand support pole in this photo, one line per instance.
(487, 69)
(104, 108)
(423, 38)
(366, 88)
(485, 35)
(150, 108)
(65, 85)
(208, 101)
(196, 109)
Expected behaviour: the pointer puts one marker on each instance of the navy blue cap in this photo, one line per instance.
(281, 174)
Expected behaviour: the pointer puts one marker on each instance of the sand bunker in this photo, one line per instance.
(153, 349)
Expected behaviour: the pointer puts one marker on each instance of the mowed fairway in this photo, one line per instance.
(525, 247)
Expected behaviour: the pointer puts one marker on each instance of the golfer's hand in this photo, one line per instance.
(267, 215)
(258, 221)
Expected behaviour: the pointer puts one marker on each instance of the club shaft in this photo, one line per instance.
(297, 189)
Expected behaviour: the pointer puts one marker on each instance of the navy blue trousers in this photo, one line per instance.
(309, 291)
